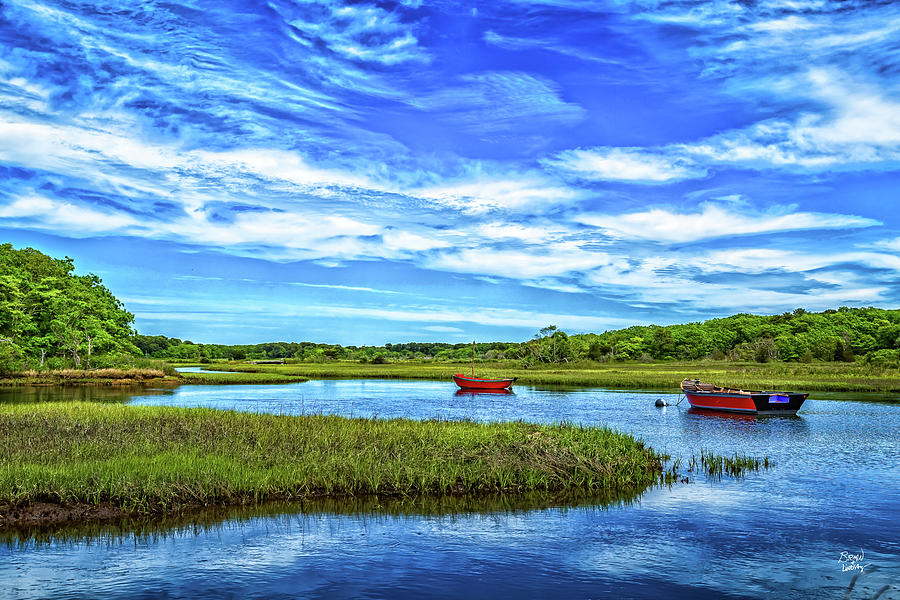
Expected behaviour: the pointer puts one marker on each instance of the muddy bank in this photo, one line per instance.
(45, 513)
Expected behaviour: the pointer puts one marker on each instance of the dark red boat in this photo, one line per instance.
(477, 383)
(710, 397)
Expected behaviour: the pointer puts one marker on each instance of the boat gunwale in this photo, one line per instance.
(734, 394)
(479, 380)
(725, 391)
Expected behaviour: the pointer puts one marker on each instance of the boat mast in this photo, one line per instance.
(473, 359)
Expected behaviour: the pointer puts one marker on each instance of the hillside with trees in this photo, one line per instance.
(160, 346)
(845, 334)
(50, 317)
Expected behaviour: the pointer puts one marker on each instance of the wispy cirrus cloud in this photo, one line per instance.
(827, 70)
(860, 130)
(715, 221)
(511, 42)
(363, 32)
(45, 213)
(560, 259)
(480, 192)
(632, 165)
(492, 101)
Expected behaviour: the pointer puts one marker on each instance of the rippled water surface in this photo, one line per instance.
(781, 533)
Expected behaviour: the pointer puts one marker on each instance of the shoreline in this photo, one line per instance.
(51, 518)
(124, 378)
(660, 377)
(656, 377)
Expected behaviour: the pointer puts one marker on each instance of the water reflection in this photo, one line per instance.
(23, 394)
(472, 393)
(205, 520)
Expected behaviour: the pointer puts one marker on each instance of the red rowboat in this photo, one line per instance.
(476, 383)
(710, 397)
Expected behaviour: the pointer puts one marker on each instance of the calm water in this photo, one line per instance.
(835, 489)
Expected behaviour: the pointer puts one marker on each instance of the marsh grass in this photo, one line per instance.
(652, 376)
(239, 378)
(736, 465)
(150, 459)
(110, 376)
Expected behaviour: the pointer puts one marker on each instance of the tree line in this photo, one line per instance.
(845, 334)
(160, 346)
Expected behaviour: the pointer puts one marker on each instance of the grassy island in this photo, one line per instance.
(140, 459)
(111, 376)
(238, 378)
(165, 377)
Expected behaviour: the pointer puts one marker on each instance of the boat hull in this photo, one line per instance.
(474, 383)
(757, 403)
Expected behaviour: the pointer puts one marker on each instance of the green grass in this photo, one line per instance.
(736, 465)
(152, 459)
(239, 378)
(837, 377)
(109, 376)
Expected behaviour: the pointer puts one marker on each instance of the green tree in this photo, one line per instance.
(45, 309)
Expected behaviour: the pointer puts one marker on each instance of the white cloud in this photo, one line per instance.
(889, 244)
(351, 288)
(669, 280)
(497, 101)
(542, 231)
(482, 315)
(712, 221)
(76, 221)
(834, 61)
(273, 163)
(357, 32)
(405, 241)
(482, 192)
(532, 263)
(758, 260)
(859, 130)
(443, 329)
(633, 165)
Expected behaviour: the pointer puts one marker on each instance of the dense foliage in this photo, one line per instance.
(800, 336)
(845, 334)
(47, 313)
(160, 346)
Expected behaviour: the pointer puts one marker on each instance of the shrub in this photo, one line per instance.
(884, 358)
(10, 358)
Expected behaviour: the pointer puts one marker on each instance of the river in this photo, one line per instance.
(826, 511)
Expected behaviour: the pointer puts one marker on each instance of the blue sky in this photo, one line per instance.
(370, 172)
